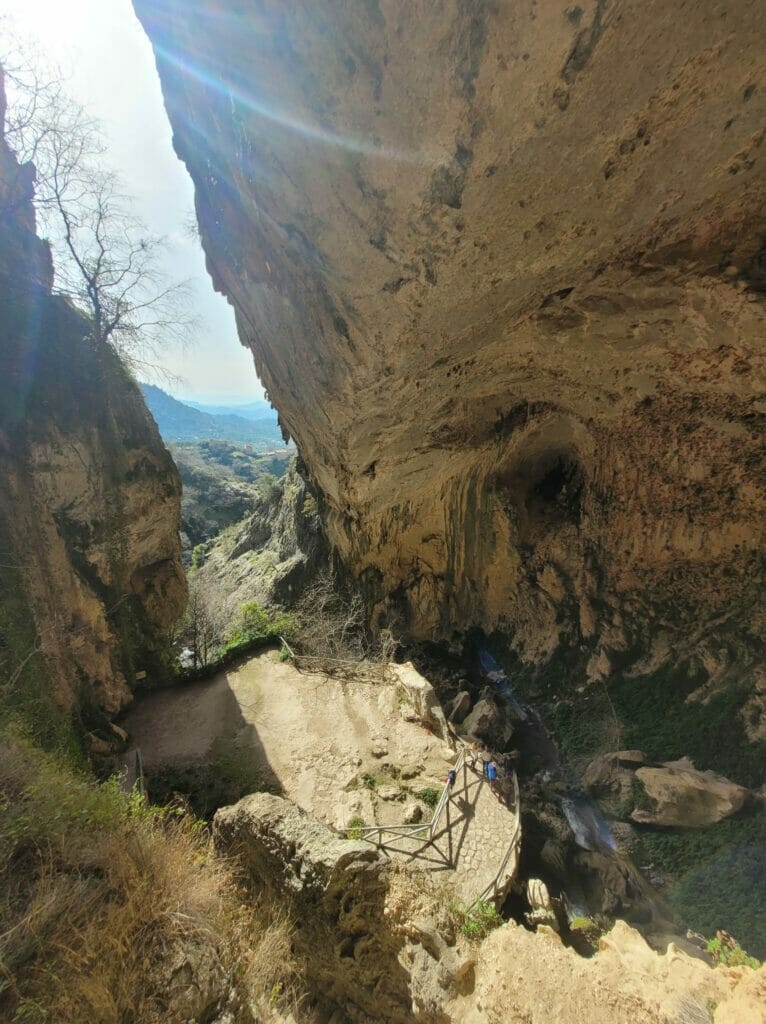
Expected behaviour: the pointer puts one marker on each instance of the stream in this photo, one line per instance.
(592, 876)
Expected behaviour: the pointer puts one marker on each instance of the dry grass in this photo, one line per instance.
(100, 893)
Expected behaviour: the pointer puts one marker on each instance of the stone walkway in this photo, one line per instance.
(475, 831)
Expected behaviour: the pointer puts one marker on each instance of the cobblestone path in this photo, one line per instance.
(474, 834)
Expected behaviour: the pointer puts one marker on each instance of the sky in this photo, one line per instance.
(109, 69)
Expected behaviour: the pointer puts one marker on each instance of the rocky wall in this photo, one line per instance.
(501, 268)
(91, 577)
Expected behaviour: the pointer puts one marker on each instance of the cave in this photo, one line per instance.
(542, 484)
(555, 489)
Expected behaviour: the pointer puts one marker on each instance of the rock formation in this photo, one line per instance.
(673, 794)
(501, 268)
(680, 795)
(367, 945)
(90, 502)
(380, 945)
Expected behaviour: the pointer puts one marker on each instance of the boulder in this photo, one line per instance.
(678, 795)
(120, 734)
(421, 696)
(489, 724)
(354, 924)
(191, 979)
(388, 792)
(413, 813)
(460, 707)
(280, 841)
(610, 777)
(98, 747)
(542, 911)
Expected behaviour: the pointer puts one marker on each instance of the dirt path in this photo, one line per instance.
(338, 749)
(342, 750)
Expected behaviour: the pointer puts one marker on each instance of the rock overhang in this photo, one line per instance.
(499, 270)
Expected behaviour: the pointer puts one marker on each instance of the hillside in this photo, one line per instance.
(221, 482)
(257, 410)
(180, 422)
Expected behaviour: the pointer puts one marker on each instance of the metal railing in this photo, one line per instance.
(493, 888)
(140, 782)
(336, 666)
(372, 833)
(366, 832)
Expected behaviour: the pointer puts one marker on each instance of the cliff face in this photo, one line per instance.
(90, 501)
(501, 268)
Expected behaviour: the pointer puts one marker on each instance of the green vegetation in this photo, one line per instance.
(653, 715)
(268, 489)
(255, 622)
(429, 796)
(582, 923)
(585, 932)
(727, 892)
(477, 921)
(656, 718)
(223, 483)
(731, 954)
(713, 873)
(97, 883)
(719, 874)
(370, 781)
(205, 631)
(355, 828)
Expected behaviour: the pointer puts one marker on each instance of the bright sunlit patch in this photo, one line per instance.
(287, 120)
(57, 24)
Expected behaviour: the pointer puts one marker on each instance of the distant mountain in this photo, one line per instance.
(256, 410)
(181, 422)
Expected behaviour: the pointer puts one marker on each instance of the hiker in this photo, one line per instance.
(486, 760)
(473, 754)
(451, 776)
(492, 775)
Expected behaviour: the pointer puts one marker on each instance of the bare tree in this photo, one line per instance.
(201, 627)
(332, 624)
(104, 257)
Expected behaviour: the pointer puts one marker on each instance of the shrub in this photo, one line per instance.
(355, 828)
(718, 873)
(257, 622)
(731, 954)
(268, 488)
(370, 781)
(582, 923)
(429, 796)
(477, 921)
(97, 885)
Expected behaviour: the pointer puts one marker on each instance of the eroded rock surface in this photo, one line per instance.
(90, 498)
(501, 270)
(680, 795)
(379, 944)
(367, 943)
